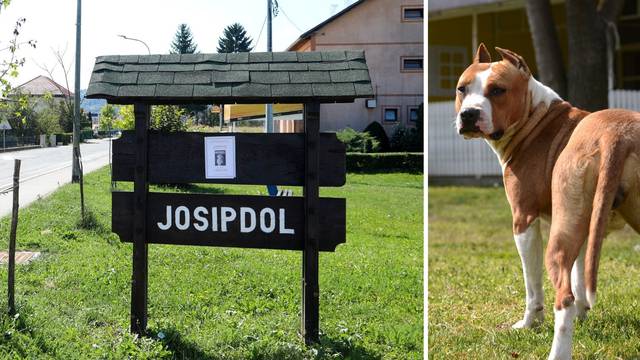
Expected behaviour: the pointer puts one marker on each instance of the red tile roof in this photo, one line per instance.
(41, 85)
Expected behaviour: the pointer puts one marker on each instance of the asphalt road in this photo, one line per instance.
(42, 171)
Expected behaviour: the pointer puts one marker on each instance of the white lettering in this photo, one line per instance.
(166, 225)
(244, 211)
(227, 215)
(182, 221)
(272, 220)
(203, 222)
(214, 219)
(283, 226)
(220, 219)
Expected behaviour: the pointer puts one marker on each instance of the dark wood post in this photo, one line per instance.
(12, 238)
(310, 287)
(140, 189)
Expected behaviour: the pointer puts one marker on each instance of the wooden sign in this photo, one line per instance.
(309, 223)
(260, 159)
(229, 220)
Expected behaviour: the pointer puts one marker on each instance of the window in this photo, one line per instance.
(412, 14)
(412, 64)
(629, 9)
(446, 63)
(390, 114)
(413, 114)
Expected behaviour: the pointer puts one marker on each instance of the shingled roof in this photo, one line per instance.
(256, 77)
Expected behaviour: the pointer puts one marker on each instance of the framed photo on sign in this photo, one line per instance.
(220, 157)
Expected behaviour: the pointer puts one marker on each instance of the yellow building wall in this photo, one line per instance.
(506, 29)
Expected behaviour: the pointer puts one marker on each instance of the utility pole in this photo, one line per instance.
(75, 176)
(268, 124)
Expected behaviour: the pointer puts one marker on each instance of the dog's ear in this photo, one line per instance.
(482, 55)
(514, 59)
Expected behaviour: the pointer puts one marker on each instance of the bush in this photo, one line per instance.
(409, 139)
(167, 118)
(65, 138)
(406, 139)
(385, 162)
(85, 134)
(376, 130)
(356, 141)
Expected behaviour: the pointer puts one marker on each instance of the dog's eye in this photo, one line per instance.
(462, 89)
(496, 91)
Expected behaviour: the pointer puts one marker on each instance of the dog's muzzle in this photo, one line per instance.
(468, 120)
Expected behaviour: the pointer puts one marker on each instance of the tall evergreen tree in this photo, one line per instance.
(183, 41)
(183, 44)
(234, 39)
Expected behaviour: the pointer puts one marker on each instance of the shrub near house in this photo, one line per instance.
(356, 141)
(363, 155)
(403, 152)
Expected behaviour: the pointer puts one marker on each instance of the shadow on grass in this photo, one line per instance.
(600, 330)
(179, 347)
(90, 222)
(327, 349)
(189, 188)
(374, 171)
(18, 335)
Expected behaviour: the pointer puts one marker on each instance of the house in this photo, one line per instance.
(392, 36)
(286, 117)
(457, 26)
(41, 85)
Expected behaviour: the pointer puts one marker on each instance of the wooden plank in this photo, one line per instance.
(331, 212)
(260, 158)
(139, 279)
(310, 286)
(12, 238)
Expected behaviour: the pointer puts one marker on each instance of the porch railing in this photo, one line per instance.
(451, 156)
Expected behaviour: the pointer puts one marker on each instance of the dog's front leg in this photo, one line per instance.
(529, 244)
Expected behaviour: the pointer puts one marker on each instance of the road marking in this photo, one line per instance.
(6, 187)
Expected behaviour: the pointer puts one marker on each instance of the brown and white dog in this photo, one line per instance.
(580, 169)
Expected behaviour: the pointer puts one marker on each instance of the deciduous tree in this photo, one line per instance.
(587, 25)
(107, 117)
(167, 118)
(126, 118)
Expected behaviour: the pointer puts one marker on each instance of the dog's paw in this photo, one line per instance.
(560, 352)
(581, 310)
(553, 356)
(530, 320)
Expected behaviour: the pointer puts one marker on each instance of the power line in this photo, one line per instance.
(291, 21)
(262, 28)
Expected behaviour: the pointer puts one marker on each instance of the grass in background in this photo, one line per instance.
(476, 288)
(218, 303)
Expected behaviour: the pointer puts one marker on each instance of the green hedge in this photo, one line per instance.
(385, 162)
(86, 134)
(67, 138)
(64, 138)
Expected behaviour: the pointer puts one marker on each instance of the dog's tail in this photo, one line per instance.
(609, 175)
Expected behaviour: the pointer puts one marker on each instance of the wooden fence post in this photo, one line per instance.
(12, 238)
(310, 287)
(140, 189)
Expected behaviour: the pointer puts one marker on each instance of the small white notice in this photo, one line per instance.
(220, 157)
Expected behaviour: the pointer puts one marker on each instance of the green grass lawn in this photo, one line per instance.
(476, 289)
(219, 303)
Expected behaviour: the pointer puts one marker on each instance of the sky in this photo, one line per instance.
(52, 24)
